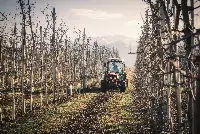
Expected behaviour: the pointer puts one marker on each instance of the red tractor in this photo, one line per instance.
(114, 75)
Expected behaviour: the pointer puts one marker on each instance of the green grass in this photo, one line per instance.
(117, 118)
(52, 118)
(119, 112)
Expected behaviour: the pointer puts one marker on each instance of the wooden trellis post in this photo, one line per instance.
(54, 56)
(83, 62)
(197, 102)
(13, 74)
(23, 53)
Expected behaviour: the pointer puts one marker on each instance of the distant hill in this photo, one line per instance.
(111, 39)
(122, 43)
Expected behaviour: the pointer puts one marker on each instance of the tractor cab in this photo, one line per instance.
(114, 66)
(114, 75)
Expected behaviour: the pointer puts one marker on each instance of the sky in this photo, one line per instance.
(99, 17)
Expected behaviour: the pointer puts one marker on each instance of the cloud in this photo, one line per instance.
(96, 14)
(133, 22)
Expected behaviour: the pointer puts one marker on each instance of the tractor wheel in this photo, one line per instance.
(123, 87)
(103, 86)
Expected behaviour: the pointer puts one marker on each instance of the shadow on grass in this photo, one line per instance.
(122, 128)
(88, 120)
(19, 125)
(97, 90)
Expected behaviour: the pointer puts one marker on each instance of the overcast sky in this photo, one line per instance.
(99, 17)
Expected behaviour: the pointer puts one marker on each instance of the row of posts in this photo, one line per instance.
(68, 89)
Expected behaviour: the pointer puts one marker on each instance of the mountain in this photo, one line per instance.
(124, 49)
(113, 38)
(122, 43)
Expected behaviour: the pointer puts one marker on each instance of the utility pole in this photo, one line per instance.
(130, 50)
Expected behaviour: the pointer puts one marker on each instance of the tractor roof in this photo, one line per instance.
(114, 59)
